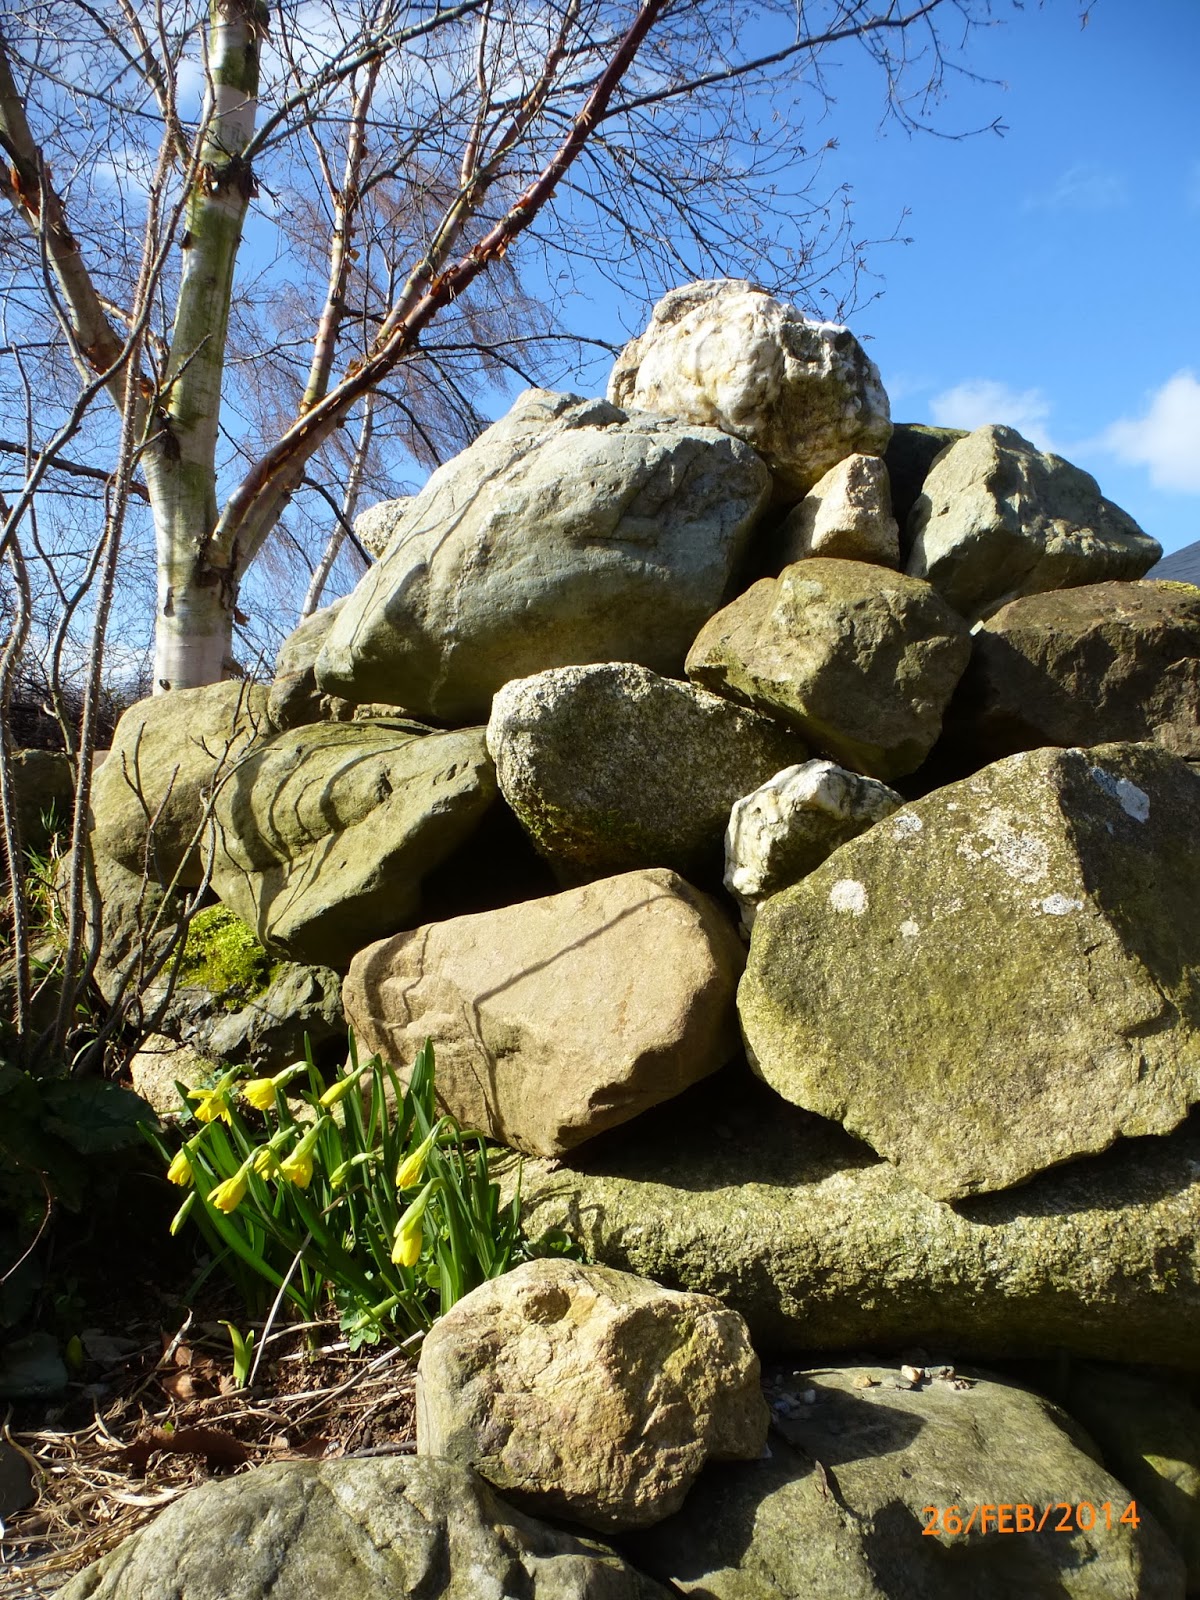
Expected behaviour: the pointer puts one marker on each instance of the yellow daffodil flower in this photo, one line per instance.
(406, 1243)
(212, 1104)
(260, 1093)
(180, 1170)
(408, 1174)
(337, 1091)
(297, 1167)
(229, 1195)
(265, 1162)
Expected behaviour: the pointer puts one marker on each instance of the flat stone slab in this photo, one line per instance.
(821, 1246)
(876, 1489)
(998, 977)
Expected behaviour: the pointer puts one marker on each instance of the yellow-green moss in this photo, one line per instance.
(223, 956)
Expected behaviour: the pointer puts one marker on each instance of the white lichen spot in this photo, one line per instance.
(909, 929)
(1133, 801)
(1057, 905)
(1022, 856)
(849, 895)
(905, 824)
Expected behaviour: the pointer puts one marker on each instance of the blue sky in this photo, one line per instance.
(1051, 279)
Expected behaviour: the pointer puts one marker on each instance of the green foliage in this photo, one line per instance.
(360, 1192)
(223, 956)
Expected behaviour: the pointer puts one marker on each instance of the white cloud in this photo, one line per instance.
(979, 401)
(1083, 187)
(1165, 438)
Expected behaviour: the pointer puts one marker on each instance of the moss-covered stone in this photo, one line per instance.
(821, 1246)
(999, 977)
(223, 956)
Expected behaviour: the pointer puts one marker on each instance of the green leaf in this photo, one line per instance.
(93, 1116)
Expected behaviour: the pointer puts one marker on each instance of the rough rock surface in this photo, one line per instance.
(589, 1394)
(786, 828)
(611, 767)
(1092, 665)
(45, 795)
(167, 753)
(820, 1246)
(326, 831)
(294, 696)
(842, 1508)
(859, 660)
(726, 353)
(998, 977)
(848, 515)
(569, 531)
(1149, 1434)
(558, 1018)
(997, 519)
(374, 527)
(911, 451)
(394, 1529)
(159, 1063)
(139, 922)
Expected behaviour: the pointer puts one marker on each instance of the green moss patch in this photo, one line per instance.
(223, 956)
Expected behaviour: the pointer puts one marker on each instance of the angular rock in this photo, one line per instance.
(294, 697)
(168, 753)
(725, 353)
(997, 519)
(558, 1018)
(847, 515)
(611, 768)
(588, 1394)
(570, 531)
(326, 831)
(374, 527)
(842, 1506)
(268, 1033)
(820, 1246)
(45, 795)
(1000, 976)
(786, 828)
(1149, 1433)
(396, 1528)
(1093, 665)
(859, 660)
(911, 451)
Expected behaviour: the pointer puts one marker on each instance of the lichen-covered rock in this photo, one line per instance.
(864, 1474)
(149, 799)
(611, 768)
(998, 518)
(1148, 1431)
(374, 527)
(847, 515)
(558, 1018)
(570, 531)
(588, 1394)
(294, 698)
(140, 923)
(786, 828)
(326, 831)
(397, 1529)
(783, 1217)
(726, 353)
(1092, 665)
(911, 451)
(859, 660)
(998, 977)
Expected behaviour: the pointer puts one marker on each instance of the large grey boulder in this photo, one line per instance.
(864, 1475)
(374, 527)
(998, 518)
(294, 697)
(558, 1018)
(998, 977)
(587, 1394)
(1106, 662)
(847, 515)
(785, 829)
(819, 1245)
(394, 1529)
(725, 352)
(911, 451)
(169, 755)
(859, 660)
(44, 789)
(326, 831)
(1149, 1433)
(570, 531)
(611, 767)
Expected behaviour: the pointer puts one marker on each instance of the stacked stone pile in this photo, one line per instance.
(725, 658)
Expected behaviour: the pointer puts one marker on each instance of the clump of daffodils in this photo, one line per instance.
(355, 1189)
